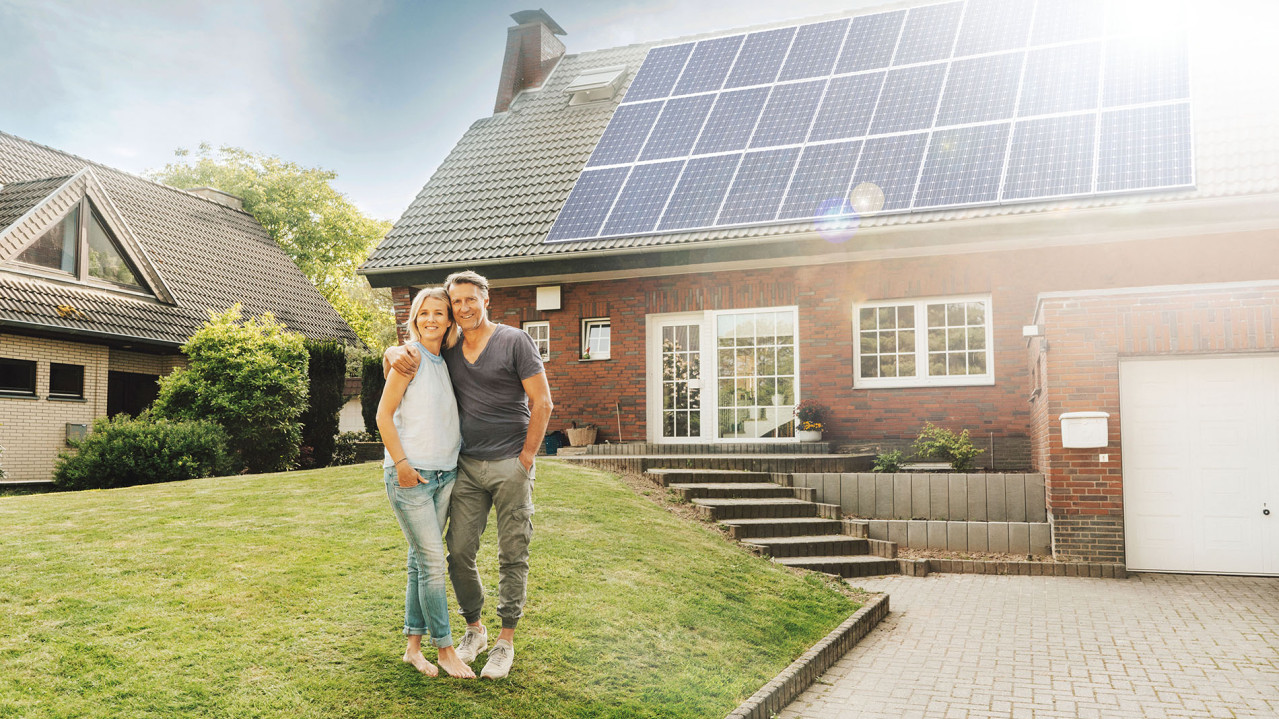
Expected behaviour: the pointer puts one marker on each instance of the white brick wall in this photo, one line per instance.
(33, 431)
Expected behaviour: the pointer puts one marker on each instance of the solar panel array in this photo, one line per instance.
(960, 103)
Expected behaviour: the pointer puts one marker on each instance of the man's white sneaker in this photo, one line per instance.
(473, 642)
(500, 658)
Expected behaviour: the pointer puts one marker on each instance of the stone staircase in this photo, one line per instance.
(775, 520)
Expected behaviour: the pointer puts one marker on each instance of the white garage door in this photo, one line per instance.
(1201, 464)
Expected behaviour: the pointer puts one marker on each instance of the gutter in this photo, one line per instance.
(112, 338)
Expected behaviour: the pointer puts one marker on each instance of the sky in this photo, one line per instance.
(378, 92)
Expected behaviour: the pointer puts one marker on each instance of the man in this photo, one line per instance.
(504, 403)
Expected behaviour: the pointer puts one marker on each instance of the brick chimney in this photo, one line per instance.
(531, 51)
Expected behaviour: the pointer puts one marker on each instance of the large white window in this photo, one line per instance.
(541, 334)
(595, 338)
(943, 341)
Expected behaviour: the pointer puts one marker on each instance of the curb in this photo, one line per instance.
(1097, 570)
(794, 679)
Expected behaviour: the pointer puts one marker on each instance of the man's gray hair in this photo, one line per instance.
(470, 277)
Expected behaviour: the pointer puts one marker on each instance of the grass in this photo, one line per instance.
(281, 595)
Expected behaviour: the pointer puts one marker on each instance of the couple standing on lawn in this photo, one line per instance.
(460, 439)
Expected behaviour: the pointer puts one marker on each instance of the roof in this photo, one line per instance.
(496, 195)
(207, 255)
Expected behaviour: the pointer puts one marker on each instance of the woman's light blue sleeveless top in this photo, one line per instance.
(427, 419)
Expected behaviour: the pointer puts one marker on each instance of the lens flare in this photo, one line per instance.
(867, 198)
(836, 220)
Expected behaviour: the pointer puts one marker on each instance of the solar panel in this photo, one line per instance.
(956, 103)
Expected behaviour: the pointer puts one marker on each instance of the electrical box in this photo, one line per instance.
(1085, 429)
(548, 298)
(76, 433)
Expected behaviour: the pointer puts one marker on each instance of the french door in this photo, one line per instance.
(728, 375)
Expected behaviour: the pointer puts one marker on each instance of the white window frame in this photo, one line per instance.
(543, 344)
(922, 378)
(590, 323)
(796, 392)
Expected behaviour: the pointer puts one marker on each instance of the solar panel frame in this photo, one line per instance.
(788, 114)
(826, 176)
(814, 50)
(929, 33)
(909, 99)
(951, 177)
(588, 204)
(676, 129)
(642, 199)
(657, 82)
(708, 66)
(761, 58)
(623, 139)
(699, 193)
(1131, 146)
(758, 188)
(994, 26)
(871, 42)
(847, 107)
(970, 81)
(735, 110)
(1040, 165)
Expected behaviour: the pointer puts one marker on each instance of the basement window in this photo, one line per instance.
(595, 338)
(596, 85)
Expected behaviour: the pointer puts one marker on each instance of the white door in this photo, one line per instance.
(1201, 464)
(675, 393)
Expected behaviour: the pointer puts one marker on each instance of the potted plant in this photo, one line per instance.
(580, 435)
(810, 420)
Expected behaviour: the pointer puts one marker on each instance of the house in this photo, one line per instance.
(103, 277)
(984, 214)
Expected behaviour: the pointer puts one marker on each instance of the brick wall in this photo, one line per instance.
(1085, 339)
(160, 365)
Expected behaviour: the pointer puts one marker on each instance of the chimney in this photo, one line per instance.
(531, 51)
(218, 196)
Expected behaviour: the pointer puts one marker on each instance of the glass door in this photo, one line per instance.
(681, 379)
(756, 374)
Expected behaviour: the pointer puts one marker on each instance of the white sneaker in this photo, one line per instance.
(500, 658)
(473, 642)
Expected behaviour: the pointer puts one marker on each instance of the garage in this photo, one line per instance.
(1201, 463)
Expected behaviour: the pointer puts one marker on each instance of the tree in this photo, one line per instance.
(327, 374)
(250, 377)
(326, 235)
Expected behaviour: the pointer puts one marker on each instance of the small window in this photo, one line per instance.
(66, 381)
(541, 334)
(595, 338)
(18, 377)
(924, 342)
(58, 248)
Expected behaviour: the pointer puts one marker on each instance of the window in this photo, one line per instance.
(66, 381)
(18, 377)
(907, 343)
(541, 334)
(595, 338)
(57, 248)
(757, 372)
(99, 259)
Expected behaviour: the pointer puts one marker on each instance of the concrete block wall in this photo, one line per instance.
(936, 496)
(999, 537)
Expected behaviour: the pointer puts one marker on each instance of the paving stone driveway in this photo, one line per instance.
(970, 646)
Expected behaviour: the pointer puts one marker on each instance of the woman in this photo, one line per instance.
(419, 424)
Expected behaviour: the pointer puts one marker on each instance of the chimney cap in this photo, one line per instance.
(539, 15)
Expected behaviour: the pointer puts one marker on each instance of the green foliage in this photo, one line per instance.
(371, 393)
(326, 371)
(811, 415)
(326, 235)
(888, 461)
(124, 451)
(344, 450)
(936, 442)
(251, 378)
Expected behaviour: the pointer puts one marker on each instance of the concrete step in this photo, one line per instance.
(781, 527)
(718, 509)
(844, 565)
(643, 448)
(667, 477)
(824, 545)
(727, 490)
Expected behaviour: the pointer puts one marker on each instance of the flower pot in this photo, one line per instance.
(808, 435)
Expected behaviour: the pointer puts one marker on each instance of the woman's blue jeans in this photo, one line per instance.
(421, 511)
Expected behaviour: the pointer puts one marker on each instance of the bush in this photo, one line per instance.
(888, 461)
(251, 378)
(344, 452)
(326, 373)
(371, 393)
(958, 449)
(124, 451)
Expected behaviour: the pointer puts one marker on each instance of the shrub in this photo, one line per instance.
(326, 372)
(371, 393)
(344, 451)
(124, 451)
(811, 415)
(888, 461)
(958, 449)
(251, 378)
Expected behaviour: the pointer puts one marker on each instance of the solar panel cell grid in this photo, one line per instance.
(1067, 21)
(814, 50)
(822, 175)
(788, 114)
(1061, 79)
(1145, 147)
(709, 65)
(732, 120)
(625, 134)
(588, 204)
(994, 25)
(981, 89)
(929, 33)
(659, 72)
(1144, 69)
(847, 107)
(892, 163)
(757, 190)
(643, 198)
(677, 127)
(870, 42)
(1051, 157)
(700, 192)
(963, 166)
(761, 58)
(909, 99)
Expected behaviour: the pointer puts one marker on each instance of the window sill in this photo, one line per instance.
(18, 395)
(930, 383)
(52, 398)
(593, 359)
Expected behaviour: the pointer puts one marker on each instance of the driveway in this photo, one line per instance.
(974, 646)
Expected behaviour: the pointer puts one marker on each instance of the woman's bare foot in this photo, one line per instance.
(453, 664)
(420, 663)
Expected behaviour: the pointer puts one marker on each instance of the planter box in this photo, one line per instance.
(581, 436)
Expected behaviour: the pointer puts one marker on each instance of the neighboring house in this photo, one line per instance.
(1119, 254)
(103, 276)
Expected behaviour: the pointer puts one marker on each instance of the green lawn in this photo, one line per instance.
(281, 595)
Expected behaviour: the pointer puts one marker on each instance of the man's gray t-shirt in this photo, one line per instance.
(490, 393)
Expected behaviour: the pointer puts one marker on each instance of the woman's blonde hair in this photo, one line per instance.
(436, 293)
